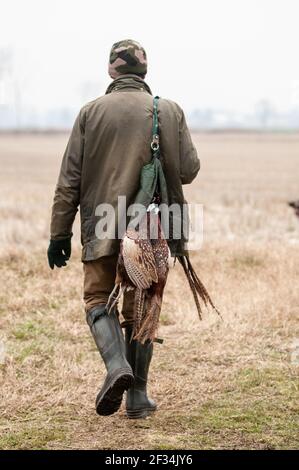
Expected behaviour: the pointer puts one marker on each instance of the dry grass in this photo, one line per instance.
(219, 384)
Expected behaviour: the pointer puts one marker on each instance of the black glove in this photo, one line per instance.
(59, 252)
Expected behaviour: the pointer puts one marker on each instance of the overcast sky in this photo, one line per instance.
(201, 53)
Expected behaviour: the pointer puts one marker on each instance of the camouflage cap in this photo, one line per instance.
(127, 56)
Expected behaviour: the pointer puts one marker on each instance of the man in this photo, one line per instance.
(108, 146)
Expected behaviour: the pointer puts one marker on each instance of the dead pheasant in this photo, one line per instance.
(143, 266)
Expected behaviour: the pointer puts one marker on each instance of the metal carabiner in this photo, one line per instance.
(155, 146)
(155, 142)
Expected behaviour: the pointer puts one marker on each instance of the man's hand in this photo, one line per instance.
(59, 252)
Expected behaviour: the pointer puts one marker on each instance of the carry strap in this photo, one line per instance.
(155, 143)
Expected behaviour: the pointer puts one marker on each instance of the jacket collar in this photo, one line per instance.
(128, 81)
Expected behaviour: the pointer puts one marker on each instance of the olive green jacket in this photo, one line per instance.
(108, 146)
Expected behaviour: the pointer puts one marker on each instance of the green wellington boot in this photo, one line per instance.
(109, 339)
(138, 405)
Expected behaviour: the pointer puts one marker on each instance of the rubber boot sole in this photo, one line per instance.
(109, 398)
(140, 413)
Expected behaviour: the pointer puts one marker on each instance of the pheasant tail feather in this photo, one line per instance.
(149, 326)
(138, 309)
(197, 287)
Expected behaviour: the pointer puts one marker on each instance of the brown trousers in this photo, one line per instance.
(99, 277)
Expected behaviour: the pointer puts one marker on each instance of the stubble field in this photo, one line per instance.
(219, 384)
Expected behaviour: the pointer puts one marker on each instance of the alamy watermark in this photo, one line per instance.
(175, 221)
